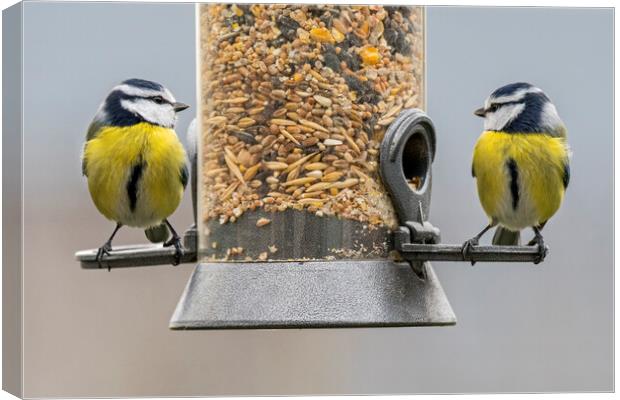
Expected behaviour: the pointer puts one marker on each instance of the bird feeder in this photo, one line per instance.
(312, 179)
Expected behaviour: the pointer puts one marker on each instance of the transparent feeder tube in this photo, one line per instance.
(294, 104)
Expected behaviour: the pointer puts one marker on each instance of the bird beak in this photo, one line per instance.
(179, 106)
(480, 112)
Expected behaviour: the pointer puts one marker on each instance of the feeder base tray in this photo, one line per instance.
(331, 294)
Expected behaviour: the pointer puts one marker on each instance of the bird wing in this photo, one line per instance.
(94, 127)
(91, 133)
(192, 145)
(184, 175)
(566, 174)
(84, 161)
(558, 131)
(562, 132)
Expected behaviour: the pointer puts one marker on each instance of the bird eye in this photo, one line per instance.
(158, 99)
(493, 107)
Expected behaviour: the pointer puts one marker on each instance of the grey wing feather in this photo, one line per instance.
(566, 175)
(562, 132)
(84, 166)
(559, 131)
(184, 175)
(93, 129)
(192, 144)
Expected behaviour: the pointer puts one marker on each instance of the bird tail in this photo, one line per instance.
(158, 233)
(505, 237)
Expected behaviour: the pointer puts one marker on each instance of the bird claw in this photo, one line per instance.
(103, 251)
(542, 248)
(179, 250)
(467, 246)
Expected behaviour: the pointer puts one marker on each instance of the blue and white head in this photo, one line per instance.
(138, 100)
(520, 108)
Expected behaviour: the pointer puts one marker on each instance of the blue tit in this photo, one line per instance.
(520, 163)
(134, 162)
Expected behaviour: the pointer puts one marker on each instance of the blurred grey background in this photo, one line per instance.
(520, 327)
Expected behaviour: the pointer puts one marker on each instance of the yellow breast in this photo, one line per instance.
(539, 161)
(110, 160)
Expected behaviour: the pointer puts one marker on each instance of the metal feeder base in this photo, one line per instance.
(331, 294)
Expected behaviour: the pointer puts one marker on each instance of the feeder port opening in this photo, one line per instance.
(416, 160)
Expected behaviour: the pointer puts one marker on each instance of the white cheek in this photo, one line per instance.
(159, 114)
(496, 121)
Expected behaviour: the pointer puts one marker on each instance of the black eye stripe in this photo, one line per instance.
(158, 99)
(496, 106)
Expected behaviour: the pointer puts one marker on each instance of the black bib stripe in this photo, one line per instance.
(132, 185)
(514, 182)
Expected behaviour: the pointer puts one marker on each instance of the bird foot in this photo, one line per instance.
(103, 251)
(542, 248)
(466, 249)
(178, 246)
